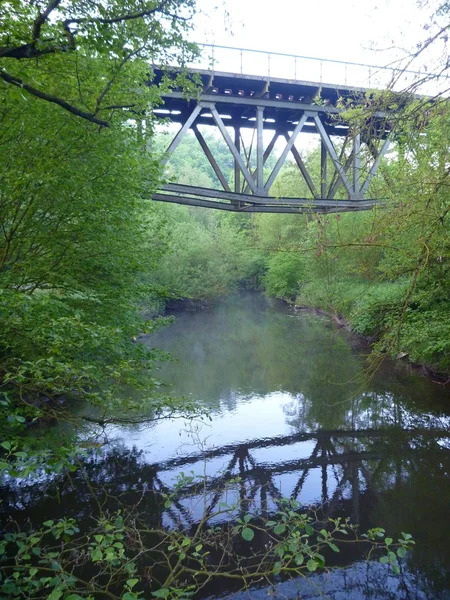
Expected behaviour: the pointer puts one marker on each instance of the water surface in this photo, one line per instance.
(294, 413)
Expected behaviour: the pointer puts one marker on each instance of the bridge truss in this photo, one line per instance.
(287, 109)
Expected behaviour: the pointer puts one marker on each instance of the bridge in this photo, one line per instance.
(286, 108)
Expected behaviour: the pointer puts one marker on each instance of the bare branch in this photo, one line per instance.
(53, 99)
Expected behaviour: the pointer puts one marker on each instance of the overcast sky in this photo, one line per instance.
(346, 30)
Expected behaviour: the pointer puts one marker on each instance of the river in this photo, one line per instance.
(294, 412)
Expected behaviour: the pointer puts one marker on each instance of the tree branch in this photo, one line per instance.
(27, 51)
(118, 19)
(53, 99)
(43, 16)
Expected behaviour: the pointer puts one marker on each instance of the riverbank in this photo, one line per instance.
(403, 357)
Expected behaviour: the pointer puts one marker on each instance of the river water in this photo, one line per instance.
(294, 412)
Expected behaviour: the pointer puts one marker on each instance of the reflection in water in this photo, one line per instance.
(291, 417)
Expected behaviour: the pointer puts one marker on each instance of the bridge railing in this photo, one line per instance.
(277, 65)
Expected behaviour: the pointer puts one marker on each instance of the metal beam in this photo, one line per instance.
(237, 171)
(323, 169)
(285, 152)
(180, 135)
(251, 101)
(375, 165)
(335, 180)
(210, 157)
(338, 182)
(332, 152)
(301, 165)
(267, 153)
(357, 163)
(271, 208)
(231, 146)
(259, 148)
(188, 190)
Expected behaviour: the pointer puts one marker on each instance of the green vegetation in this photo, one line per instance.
(85, 259)
(386, 271)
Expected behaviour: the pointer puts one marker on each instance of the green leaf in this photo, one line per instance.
(388, 541)
(248, 534)
(401, 552)
(132, 582)
(279, 529)
(277, 568)
(161, 593)
(333, 547)
(311, 565)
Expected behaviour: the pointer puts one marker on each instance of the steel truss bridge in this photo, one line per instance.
(288, 108)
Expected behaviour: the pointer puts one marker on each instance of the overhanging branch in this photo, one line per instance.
(53, 99)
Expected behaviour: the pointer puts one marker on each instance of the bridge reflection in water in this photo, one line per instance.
(348, 463)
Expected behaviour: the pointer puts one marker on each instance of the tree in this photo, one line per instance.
(92, 58)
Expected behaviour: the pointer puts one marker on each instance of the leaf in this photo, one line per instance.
(388, 541)
(161, 593)
(333, 547)
(132, 582)
(311, 565)
(401, 552)
(248, 534)
(279, 529)
(270, 523)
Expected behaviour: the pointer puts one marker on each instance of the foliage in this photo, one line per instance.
(91, 58)
(120, 550)
(385, 270)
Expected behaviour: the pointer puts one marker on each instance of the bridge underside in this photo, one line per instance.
(350, 152)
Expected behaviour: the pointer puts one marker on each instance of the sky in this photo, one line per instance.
(376, 32)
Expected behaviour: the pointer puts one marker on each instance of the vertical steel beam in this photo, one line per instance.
(323, 170)
(226, 136)
(334, 157)
(259, 147)
(285, 152)
(180, 135)
(356, 163)
(237, 171)
(210, 157)
(267, 152)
